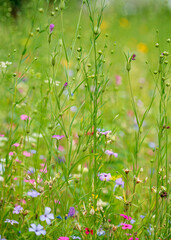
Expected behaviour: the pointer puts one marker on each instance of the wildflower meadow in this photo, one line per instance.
(85, 119)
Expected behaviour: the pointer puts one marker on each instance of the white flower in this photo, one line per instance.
(47, 216)
(38, 229)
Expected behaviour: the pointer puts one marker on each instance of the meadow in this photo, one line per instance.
(85, 120)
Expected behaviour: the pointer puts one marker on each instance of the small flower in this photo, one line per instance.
(33, 193)
(63, 238)
(38, 229)
(11, 221)
(59, 217)
(17, 209)
(24, 117)
(58, 137)
(27, 154)
(132, 221)
(105, 177)
(120, 182)
(65, 84)
(133, 238)
(118, 80)
(75, 237)
(101, 232)
(71, 212)
(47, 216)
(142, 216)
(51, 27)
(2, 238)
(105, 132)
(133, 57)
(16, 144)
(125, 216)
(110, 153)
(87, 231)
(126, 226)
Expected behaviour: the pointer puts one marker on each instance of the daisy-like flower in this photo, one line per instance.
(47, 216)
(126, 226)
(58, 137)
(110, 153)
(33, 193)
(38, 229)
(105, 177)
(11, 221)
(17, 209)
(125, 216)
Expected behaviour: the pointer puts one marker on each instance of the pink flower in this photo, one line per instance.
(17, 160)
(15, 178)
(2, 135)
(24, 117)
(126, 226)
(58, 137)
(57, 201)
(118, 80)
(44, 170)
(27, 154)
(63, 238)
(51, 27)
(133, 238)
(125, 216)
(23, 201)
(16, 144)
(11, 153)
(61, 148)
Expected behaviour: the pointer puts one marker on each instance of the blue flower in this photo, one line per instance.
(75, 237)
(101, 232)
(59, 217)
(142, 216)
(132, 221)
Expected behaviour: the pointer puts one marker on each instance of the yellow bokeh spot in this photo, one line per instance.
(142, 47)
(104, 25)
(124, 22)
(94, 196)
(113, 178)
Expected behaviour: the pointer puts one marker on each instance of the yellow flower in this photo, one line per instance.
(142, 48)
(124, 22)
(113, 178)
(94, 196)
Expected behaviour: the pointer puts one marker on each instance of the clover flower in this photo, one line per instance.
(71, 212)
(105, 177)
(38, 229)
(47, 216)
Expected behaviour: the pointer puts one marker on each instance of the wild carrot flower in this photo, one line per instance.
(51, 27)
(17, 209)
(47, 216)
(38, 229)
(126, 226)
(105, 177)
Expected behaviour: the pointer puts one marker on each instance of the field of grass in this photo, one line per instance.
(85, 120)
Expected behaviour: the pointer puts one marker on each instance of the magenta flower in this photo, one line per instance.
(2, 135)
(118, 80)
(105, 177)
(47, 216)
(125, 216)
(51, 27)
(133, 57)
(133, 238)
(110, 153)
(126, 226)
(11, 153)
(58, 137)
(17, 209)
(27, 154)
(25, 117)
(16, 144)
(63, 238)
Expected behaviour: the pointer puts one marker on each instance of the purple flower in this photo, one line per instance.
(105, 177)
(51, 27)
(58, 137)
(142, 216)
(47, 216)
(11, 221)
(105, 133)
(38, 229)
(133, 57)
(120, 182)
(71, 212)
(65, 84)
(2, 238)
(33, 193)
(17, 209)
(110, 153)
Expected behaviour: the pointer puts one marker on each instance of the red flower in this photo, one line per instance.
(87, 231)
